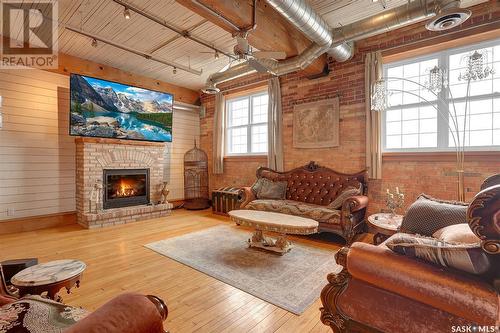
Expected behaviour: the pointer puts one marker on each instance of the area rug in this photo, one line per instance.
(292, 281)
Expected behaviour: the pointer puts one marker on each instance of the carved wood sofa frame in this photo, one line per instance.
(352, 217)
(483, 217)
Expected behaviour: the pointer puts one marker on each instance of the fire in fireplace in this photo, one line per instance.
(125, 187)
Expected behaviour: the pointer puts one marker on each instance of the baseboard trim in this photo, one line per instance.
(37, 222)
(48, 221)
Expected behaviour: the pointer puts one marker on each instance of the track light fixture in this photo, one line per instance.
(216, 54)
(126, 13)
(174, 70)
(94, 42)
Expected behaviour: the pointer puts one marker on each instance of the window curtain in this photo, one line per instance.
(219, 133)
(274, 126)
(373, 72)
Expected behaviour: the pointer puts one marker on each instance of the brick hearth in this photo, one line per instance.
(93, 155)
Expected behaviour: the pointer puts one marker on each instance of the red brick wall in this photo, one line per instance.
(346, 80)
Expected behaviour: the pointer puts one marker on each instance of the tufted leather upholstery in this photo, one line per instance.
(416, 296)
(314, 185)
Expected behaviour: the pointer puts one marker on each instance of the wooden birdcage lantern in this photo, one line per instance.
(196, 179)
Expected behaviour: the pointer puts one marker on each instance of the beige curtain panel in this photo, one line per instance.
(275, 126)
(373, 72)
(219, 133)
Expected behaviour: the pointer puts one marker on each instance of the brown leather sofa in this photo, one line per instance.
(126, 313)
(379, 290)
(310, 189)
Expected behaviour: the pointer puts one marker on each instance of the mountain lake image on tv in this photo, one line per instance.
(106, 109)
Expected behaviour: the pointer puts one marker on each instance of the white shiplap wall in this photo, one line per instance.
(37, 156)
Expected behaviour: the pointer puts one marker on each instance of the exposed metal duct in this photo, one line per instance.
(306, 20)
(338, 42)
(301, 15)
(186, 106)
(395, 18)
(293, 64)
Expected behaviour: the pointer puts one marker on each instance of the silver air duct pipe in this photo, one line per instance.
(186, 106)
(274, 67)
(307, 21)
(338, 42)
(293, 64)
(401, 16)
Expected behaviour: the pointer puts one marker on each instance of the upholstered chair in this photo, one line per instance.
(380, 290)
(126, 313)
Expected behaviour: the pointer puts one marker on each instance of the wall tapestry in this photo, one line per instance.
(316, 124)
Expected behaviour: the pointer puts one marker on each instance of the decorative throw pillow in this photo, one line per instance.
(465, 257)
(346, 193)
(427, 215)
(457, 233)
(271, 190)
(257, 185)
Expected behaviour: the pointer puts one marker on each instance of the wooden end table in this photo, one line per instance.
(274, 222)
(384, 225)
(49, 277)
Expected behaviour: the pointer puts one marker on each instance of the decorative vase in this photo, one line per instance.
(164, 191)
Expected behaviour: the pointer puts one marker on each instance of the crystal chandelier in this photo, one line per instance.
(475, 68)
(380, 96)
(437, 80)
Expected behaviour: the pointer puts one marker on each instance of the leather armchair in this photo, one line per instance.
(126, 313)
(379, 290)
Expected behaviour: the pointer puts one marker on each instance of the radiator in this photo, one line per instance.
(226, 199)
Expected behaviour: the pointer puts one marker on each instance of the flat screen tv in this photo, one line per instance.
(106, 109)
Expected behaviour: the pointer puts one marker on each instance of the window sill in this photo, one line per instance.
(248, 158)
(470, 156)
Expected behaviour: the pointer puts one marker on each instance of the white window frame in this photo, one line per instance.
(248, 126)
(442, 124)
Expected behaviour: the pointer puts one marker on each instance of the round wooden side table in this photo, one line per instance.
(49, 277)
(384, 225)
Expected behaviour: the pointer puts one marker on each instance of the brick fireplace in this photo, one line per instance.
(130, 173)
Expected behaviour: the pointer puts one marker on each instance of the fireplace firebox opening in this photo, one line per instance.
(125, 187)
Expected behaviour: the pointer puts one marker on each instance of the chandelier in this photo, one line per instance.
(476, 66)
(380, 96)
(436, 80)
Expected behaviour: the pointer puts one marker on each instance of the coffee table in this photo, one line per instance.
(384, 225)
(274, 222)
(49, 277)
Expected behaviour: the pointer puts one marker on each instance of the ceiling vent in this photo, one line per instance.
(448, 19)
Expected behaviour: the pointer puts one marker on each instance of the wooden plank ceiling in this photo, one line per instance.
(105, 18)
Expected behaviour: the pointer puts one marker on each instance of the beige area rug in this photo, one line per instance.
(292, 281)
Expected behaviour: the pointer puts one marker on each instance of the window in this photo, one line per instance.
(412, 123)
(246, 128)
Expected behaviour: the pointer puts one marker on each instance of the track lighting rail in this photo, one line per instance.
(183, 33)
(146, 55)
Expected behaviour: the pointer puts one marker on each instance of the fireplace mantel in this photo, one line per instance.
(110, 141)
(94, 155)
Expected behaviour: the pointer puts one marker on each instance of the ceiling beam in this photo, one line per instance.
(273, 32)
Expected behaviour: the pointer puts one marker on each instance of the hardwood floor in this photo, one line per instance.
(118, 262)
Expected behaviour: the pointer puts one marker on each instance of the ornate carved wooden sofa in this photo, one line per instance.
(379, 290)
(126, 313)
(310, 189)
